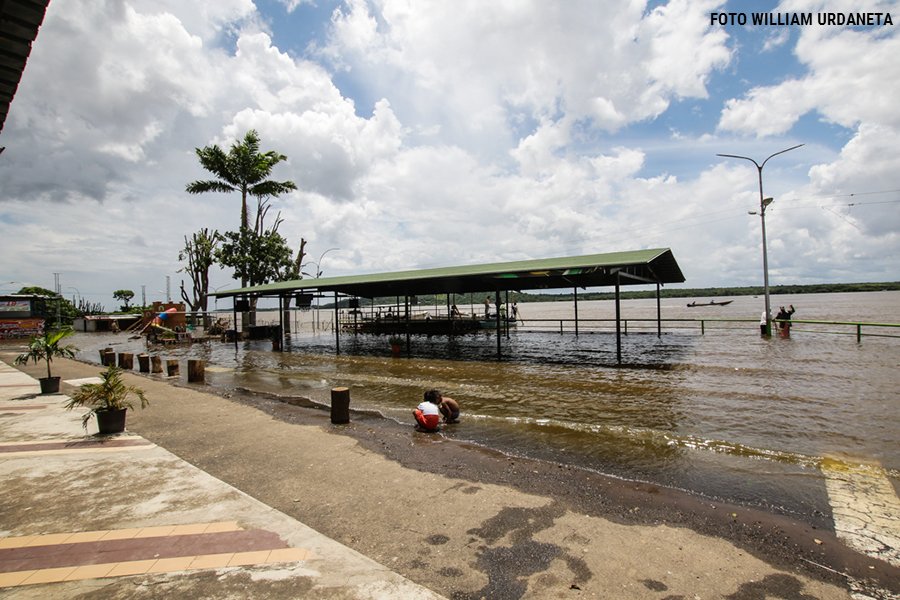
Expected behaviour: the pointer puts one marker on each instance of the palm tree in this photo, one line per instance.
(244, 169)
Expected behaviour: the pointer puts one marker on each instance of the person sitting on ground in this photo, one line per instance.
(427, 414)
(449, 408)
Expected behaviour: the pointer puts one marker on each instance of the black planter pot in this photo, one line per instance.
(49, 385)
(111, 421)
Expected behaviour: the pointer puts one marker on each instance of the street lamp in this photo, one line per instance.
(763, 203)
(76, 291)
(319, 263)
(319, 274)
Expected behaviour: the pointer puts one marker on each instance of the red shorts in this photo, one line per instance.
(429, 422)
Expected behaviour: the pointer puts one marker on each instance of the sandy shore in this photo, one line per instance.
(470, 523)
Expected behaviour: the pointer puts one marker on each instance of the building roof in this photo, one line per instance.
(19, 24)
(637, 267)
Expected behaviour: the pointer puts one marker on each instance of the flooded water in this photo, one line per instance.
(724, 413)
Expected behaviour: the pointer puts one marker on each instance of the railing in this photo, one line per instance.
(647, 325)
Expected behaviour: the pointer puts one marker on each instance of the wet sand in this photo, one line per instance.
(472, 523)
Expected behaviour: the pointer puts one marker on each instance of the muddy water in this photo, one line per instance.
(725, 414)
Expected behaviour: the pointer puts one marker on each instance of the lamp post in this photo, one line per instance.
(763, 203)
(319, 274)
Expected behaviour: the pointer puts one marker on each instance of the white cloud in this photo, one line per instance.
(470, 66)
(844, 67)
(492, 131)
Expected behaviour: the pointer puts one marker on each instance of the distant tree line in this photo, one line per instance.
(713, 292)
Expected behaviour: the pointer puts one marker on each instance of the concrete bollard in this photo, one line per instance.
(144, 363)
(103, 352)
(196, 370)
(340, 405)
(172, 367)
(156, 364)
(126, 361)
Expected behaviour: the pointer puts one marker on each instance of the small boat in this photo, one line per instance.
(710, 303)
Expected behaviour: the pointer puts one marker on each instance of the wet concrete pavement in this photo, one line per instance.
(458, 522)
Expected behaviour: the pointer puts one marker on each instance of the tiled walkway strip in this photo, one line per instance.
(82, 444)
(93, 554)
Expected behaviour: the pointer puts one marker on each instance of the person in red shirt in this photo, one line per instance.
(427, 414)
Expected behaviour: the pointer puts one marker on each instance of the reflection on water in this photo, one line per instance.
(726, 414)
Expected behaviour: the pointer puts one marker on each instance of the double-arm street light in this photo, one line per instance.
(763, 203)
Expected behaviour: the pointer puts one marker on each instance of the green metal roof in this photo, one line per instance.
(638, 267)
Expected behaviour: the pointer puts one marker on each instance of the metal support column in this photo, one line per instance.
(234, 318)
(658, 314)
(407, 307)
(281, 323)
(337, 325)
(506, 319)
(618, 324)
(497, 304)
(575, 290)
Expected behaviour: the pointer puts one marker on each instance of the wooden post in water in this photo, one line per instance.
(172, 367)
(103, 358)
(144, 363)
(340, 405)
(156, 363)
(196, 370)
(126, 361)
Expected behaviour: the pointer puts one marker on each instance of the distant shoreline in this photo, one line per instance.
(710, 292)
(716, 292)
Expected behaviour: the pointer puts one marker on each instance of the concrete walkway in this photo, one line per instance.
(80, 513)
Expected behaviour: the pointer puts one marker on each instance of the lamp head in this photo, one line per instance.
(767, 201)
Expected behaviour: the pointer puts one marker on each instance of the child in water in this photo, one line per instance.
(449, 408)
(428, 414)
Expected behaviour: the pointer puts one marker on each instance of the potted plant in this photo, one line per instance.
(45, 348)
(396, 343)
(108, 400)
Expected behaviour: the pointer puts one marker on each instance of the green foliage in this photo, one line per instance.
(112, 393)
(200, 253)
(37, 291)
(243, 169)
(46, 347)
(255, 258)
(85, 307)
(53, 306)
(124, 296)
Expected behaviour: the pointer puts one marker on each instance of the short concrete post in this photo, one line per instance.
(340, 405)
(144, 363)
(196, 370)
(156, 364)
(172, 367)
(108, 357)
(126, 361)
(103, 352)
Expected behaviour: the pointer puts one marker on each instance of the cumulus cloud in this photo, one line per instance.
(489, 131)
(472, 66)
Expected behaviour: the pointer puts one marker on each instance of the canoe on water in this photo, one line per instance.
(710, 303)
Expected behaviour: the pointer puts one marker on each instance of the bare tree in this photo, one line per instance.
(199, 252)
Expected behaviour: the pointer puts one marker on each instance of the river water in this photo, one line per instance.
(720, 412)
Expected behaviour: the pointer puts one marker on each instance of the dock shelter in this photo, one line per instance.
(638, 267)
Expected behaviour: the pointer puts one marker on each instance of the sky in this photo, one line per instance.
(437, 133)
